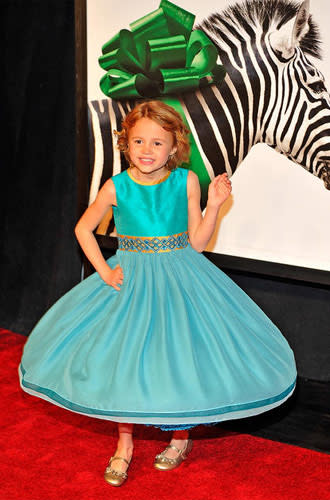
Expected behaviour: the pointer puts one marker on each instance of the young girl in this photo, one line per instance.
(158, 335)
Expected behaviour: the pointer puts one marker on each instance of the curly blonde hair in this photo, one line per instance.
(169, 119)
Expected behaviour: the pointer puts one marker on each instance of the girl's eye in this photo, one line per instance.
(138, 141)
(158, 143)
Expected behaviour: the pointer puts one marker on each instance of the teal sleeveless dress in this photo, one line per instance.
(179, 345)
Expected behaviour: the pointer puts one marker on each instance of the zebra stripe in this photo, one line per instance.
(215, 129)
(105, 116)
(98, 152)
(191, 124)
(115, 120)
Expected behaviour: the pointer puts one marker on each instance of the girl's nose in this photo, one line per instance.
(147, 149)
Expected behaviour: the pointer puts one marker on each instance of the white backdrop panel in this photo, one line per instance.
(278, 212)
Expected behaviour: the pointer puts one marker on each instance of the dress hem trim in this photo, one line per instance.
(229, 412)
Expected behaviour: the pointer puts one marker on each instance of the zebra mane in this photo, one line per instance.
(267, 13)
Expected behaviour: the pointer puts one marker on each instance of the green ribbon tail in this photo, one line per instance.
(196, 163)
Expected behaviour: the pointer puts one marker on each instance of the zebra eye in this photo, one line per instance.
(317, 87)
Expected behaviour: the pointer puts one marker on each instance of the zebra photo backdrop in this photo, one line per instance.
(267, 124)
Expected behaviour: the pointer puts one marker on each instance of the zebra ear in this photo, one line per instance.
(301, 26)
(287, 38)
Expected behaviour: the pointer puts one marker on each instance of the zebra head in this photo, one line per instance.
(273, 92)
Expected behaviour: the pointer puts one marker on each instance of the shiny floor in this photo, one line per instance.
(303, 420)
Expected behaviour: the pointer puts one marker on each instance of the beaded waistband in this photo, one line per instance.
(154, 244)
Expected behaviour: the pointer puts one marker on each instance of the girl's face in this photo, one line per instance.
(149, 146)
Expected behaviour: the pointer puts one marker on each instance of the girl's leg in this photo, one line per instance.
(124, 446)
(115, 473)
(172, 457)
(179, 439)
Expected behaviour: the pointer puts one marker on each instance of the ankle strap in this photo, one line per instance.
(119, 458)
(174, 448)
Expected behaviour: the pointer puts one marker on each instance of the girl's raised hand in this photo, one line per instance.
(113, 277)
(219, 190)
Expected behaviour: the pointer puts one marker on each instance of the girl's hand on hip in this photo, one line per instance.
(219, 190)
(114, 277)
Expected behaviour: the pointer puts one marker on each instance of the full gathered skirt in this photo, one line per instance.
(179, 344)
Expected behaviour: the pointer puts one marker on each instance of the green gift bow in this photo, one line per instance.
(159, 56)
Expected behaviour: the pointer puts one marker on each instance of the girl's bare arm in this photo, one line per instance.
(200, 229)
(84, 233)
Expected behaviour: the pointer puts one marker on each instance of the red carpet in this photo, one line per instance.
(49, 454)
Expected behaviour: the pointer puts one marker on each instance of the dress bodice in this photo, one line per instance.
(151, 209)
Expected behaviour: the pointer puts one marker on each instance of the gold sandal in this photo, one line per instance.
(165, 463)
(115, 477)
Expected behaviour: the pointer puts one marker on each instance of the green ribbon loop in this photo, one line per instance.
(159, 56)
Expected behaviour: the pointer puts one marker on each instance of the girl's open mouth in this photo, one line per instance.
(146, 161)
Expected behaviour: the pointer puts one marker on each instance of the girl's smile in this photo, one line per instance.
(149, 147)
